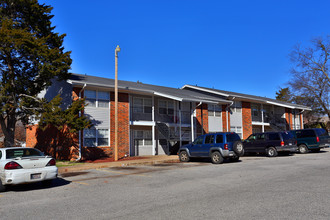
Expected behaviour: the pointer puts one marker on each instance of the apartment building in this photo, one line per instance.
(156, 120)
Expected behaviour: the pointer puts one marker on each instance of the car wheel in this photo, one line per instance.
(238, 148)
(234, 159)
(2, 187)
(302, 149)
(216, 158)
(183, 156)
(271, 152)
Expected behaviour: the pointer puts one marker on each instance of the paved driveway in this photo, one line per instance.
(285, 187)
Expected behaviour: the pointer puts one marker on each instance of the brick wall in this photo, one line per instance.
(288, 118)
(123, 124)
(202, 118)
(69, 145)
(224, 119)
(301, 121)
(246, 119)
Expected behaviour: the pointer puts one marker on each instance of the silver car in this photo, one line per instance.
(25, 165)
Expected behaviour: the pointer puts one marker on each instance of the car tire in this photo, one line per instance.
(271, 152)
(2, 187)
(216, 157)
(234, 159)
(302, 149)
(238, 148)
(183, 156)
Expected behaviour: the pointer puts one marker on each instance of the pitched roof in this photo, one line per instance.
(242, 96)
(168, 92)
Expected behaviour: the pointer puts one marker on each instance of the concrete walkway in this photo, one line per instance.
(147, 160)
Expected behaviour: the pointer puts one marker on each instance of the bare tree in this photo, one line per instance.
(310, 75)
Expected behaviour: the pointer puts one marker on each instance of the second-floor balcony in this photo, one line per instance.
(145, 114)
(269, 118)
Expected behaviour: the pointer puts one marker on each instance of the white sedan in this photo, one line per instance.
(25, 165)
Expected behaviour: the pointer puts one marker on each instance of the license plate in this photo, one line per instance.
(290, 143)
(35, 176)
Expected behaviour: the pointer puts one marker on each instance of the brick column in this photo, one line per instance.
(288, 116)
(202, 118)
(123, 124)
(247, 119)
(225, 114)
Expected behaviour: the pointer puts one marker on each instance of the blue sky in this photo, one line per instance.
(239, 46)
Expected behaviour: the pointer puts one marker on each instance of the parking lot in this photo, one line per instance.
(256, 187)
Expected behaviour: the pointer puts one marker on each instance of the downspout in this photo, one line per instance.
(79, 157)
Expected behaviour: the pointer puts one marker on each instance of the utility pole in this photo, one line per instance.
(117, 50)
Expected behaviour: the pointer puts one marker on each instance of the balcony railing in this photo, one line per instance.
(140, 114)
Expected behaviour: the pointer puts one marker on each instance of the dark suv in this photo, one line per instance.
(311, 139)
(216, 146)
(270, 143)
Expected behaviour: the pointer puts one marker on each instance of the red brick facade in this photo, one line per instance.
(123, 124)
(224, 119)
(301, 121)
(202, 119)
(288, 118)
(69, 147)
(247, 119)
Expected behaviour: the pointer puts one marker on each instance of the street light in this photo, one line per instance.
(117, 50)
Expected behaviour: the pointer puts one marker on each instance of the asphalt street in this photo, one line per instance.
(257, 187)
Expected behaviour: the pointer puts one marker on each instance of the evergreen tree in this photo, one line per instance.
(31, 54)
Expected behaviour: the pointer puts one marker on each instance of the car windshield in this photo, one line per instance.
(287, 135)
(232, 137)
(24, 152)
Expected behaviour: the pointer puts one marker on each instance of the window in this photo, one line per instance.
(209, 139)
(99, 99)
(219, 139)
(305, 134)
(96, 137)
(214, 110)
(321, 132)
(143, 137)
(236, 107)
(236, 129)
(25, 152)
(232, 137)
(103, 99)
(90, 96)
(141, 105)
(261, 137)
(252, 137)
(274, 137)
(199, 140)
(165, 107)
(287, 135)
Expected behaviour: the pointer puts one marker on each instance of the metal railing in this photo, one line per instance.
(144, 114)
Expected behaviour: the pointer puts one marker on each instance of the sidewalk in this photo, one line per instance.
(147, 160)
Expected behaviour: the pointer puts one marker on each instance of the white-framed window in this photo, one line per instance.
(214, 110)
(143, 137)
(98, 99)
(236, 107)
(142, 105)
(96, 137)
(166, 107)
(237, 130)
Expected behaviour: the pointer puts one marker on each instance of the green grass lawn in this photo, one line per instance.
(66, 163)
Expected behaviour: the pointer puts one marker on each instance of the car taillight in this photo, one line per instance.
(225, 146)
(12, 165)
(317, 139)
(52, 162)
(282, 143)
